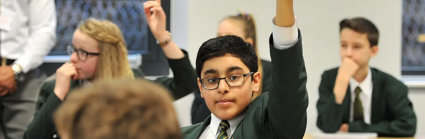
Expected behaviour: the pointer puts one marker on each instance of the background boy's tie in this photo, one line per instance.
(357, 106)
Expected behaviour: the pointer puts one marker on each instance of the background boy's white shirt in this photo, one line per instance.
(366, 96)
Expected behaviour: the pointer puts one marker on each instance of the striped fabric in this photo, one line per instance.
(224, 125)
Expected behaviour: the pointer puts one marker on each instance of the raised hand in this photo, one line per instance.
(64, 75)
(156, 18)
(348, 68)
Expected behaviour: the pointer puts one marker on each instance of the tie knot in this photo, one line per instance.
(224, 124)
(357, 91)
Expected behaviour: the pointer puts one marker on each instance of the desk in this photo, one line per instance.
(309, 136)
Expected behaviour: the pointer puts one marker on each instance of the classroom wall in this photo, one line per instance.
(197, 20)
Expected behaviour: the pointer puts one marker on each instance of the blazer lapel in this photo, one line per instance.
(376, 93)
(206, 123)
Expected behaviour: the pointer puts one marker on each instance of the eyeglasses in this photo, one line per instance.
(81, 54)
(232, 80)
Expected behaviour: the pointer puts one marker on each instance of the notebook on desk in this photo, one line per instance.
(344, 136)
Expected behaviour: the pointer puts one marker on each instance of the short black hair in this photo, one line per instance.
(223, 45)
(362, 25)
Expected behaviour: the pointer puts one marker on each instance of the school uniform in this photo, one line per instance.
(42, 126)
(390, 113)
(278, 113)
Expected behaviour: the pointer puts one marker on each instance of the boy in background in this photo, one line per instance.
(357, 98)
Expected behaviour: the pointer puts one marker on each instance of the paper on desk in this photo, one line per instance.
(344, 136)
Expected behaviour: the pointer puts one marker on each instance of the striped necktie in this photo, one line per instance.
(357, 106)
(224, 125)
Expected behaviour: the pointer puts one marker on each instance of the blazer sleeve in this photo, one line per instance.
(288, 98)
(42, 126)
(402, 118)
(199, 110)
(330, 114)
(267, 75)
(184, 80)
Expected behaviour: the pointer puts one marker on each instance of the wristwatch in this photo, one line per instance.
(19, 73)
(167, 41)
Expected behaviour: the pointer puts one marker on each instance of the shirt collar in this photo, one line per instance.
(215, 122)
(365, 85)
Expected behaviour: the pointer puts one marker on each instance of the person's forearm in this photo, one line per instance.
(284, 13)
(341, 85)
(172, 51)
(184, 76)
(330, 114)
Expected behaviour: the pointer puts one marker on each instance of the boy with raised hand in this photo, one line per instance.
(227, 77)
(355, 97)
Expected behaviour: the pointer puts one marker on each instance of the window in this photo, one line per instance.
(413, 37)
(127, 14)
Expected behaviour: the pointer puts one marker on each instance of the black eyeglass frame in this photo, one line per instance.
(226, 79)
(81, 54)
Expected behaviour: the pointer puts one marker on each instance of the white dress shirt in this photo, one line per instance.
(28, 31)
(211, 132)
(284, 38)
(365, 96)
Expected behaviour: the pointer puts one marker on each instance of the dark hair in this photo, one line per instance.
(223, 45)
(247, 24)
(362, 25)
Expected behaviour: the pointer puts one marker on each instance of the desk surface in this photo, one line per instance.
(309, 136)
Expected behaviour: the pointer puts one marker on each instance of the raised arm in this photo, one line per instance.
(184, 81)
(156, 18)
(284, 13)
(288, 98)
